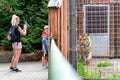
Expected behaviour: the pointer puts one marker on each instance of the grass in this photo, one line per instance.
(85, 73)
(114, 76)
(104, 64)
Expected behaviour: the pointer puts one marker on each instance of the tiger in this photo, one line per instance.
(85, 45)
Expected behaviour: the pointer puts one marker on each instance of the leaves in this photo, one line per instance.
(35, 12)
(84, 72)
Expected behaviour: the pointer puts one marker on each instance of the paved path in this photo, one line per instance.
(30, 71)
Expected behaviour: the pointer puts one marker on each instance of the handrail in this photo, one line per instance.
(59, 68)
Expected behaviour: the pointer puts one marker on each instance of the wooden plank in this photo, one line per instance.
(68, 30)
(56, 25)
(65, 28)
(53, 22)
(59, 30)
(62, 31)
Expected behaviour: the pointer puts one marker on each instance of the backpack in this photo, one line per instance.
(11, 34)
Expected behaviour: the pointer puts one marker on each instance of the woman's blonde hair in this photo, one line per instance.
(13, 21)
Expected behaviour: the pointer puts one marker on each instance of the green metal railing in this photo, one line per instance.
(59, 68)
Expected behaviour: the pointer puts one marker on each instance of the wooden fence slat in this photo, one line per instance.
(59, 23)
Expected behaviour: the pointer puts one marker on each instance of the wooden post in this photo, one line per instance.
(59, 27)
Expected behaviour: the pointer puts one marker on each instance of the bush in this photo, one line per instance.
(36, 14)
(6, 44)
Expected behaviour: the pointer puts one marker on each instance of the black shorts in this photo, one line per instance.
(46, 55)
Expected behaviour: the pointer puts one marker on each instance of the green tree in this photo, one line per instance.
(35, 12)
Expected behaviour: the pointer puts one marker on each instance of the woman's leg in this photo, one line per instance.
(15, 58)
(18, 56)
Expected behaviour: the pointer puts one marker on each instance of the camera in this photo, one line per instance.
(26, 23)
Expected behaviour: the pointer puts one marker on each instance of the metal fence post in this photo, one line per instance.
(72, 34)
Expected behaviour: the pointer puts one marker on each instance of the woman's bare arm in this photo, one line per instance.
(22, 31)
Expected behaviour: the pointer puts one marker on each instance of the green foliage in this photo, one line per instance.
(104, 64)
(114, 76)
(35, 12)
(79, 58)
(6, 44)
(85, 73)
(81, 69)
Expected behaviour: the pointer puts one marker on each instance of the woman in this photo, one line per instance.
(17, 45)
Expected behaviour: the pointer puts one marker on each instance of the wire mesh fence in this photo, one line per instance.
(101, 20)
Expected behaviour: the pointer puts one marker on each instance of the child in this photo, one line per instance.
(46, 29)
(44, 48)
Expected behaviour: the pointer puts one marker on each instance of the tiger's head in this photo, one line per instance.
(84, 39)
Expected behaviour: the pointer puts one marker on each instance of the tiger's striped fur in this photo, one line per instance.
(85, 48)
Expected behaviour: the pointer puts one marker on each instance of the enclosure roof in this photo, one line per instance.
(55, 3)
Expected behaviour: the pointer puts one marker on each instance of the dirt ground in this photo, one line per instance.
(105, 71)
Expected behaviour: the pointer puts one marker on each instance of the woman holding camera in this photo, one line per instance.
(17, 45)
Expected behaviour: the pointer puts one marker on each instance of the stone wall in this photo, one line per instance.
(7, 56)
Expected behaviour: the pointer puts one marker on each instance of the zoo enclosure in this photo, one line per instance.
(100, 19)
